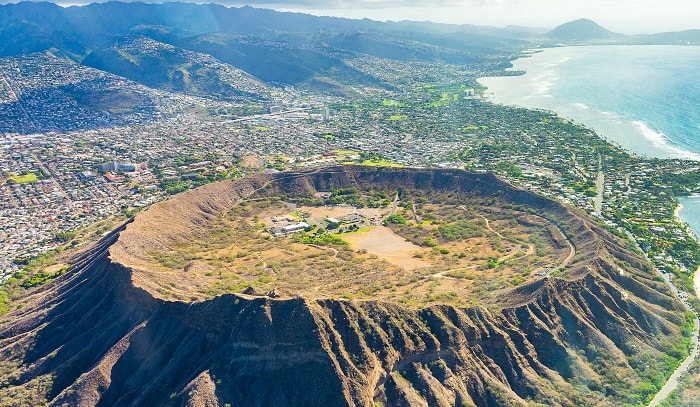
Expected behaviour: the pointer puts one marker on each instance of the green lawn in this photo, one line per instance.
(23, 179)
(380, 163)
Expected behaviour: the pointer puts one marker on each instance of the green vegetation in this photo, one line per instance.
(509, 169)
(64, 236)
(395, 219)
(651, 368)
(33, 274)
(23, 179)
(376, 160)
(350, 196)
(460, 230)
(587, 187)
(380, 163)
(446, 97)
(391, 103)
(41, 277)
(322, 239)
(688, 392)
(195, 178)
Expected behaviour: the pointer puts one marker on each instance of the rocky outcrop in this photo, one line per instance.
(94, 337)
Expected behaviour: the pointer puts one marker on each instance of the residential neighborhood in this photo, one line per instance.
(75, 168)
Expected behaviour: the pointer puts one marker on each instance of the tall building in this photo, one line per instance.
(116, 166)
(277, 106)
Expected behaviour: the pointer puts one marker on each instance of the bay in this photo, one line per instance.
(645, 99)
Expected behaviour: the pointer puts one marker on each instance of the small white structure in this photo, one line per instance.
(284, 230)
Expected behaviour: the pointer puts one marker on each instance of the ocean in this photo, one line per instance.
(643, 98)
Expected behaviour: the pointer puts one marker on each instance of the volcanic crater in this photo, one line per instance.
(498, 297)
(404, 243)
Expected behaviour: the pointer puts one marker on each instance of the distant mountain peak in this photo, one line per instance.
(582, 29)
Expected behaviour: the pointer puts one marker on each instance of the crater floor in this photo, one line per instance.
(377, 240)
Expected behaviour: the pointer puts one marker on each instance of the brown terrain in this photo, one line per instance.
(194, 304)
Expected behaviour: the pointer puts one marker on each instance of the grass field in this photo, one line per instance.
(23, 179)
(380, 163)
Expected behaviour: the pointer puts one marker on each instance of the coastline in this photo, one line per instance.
(691, 220)
(692, 233)
(549, 83)
(546, 84)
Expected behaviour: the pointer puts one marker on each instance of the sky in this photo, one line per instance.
(623, 16)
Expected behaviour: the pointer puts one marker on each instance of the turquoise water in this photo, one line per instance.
(690, 213)
(644, 98)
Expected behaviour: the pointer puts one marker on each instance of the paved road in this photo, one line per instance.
(599, 187)
(572, 248)
(672, 381)
(394, 204)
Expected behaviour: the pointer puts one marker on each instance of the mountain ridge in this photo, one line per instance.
(582, 30)
(279, 48)
(107, 338)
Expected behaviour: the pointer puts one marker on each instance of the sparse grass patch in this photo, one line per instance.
(456, 257)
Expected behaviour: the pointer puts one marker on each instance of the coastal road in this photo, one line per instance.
(673, 381)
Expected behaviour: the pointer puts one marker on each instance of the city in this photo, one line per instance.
(183, 141)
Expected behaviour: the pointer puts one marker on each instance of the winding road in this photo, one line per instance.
(673, 381)
(572, 248)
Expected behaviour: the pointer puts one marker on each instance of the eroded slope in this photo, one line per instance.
(102, 334)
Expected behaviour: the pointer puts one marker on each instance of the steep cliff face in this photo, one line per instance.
(94, 337)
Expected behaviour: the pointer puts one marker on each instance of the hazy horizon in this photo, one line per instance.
(623, 16)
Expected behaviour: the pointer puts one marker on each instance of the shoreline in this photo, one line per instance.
(687, 222)
(532, 90)
(696, 274)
